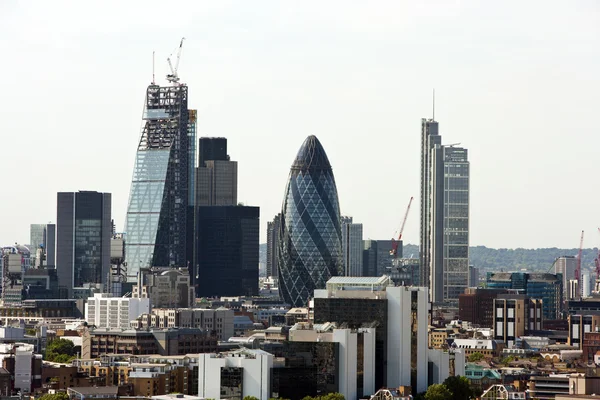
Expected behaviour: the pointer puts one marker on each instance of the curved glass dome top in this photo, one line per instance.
(310, 246)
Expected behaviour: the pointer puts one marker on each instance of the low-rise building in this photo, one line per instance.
(236, 374)
(548, 387)
(174, 341)
(166, 287)
(93, 393)
(20, 360)
(104, 311)
(489, 348)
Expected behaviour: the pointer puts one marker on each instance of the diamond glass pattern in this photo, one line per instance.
(310, 245)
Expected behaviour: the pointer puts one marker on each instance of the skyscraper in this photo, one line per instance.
(272, 245)
(449, 224)
(227, 251)
(352, 247)
(83, 230)
(429, 138)
(156, 224)
(43, 236)
(216, 183)
(566, 265)
(310, 236)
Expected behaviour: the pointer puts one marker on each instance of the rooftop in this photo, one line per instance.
(86, 391)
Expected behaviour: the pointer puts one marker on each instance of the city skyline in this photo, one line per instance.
(266, 77)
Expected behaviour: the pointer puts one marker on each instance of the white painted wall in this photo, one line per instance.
(347, 361)
(368, 361)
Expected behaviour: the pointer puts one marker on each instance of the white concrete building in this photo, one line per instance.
(24, 357)
(248, 371)
(347, 353)
(104, 311)
(441, 364)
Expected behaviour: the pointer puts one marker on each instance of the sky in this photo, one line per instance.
(517, 83)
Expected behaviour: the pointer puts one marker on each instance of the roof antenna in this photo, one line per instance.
(153, 80)
(434, 104)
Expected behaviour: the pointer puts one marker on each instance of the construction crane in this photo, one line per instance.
(173, 77)
(395, 243)
(578, 269)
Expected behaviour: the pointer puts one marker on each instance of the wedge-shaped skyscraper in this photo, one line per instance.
(160, 187)
(310, 235)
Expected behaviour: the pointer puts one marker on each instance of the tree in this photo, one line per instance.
(333, 396)
(438, 391)
(60, 351)
(460, 388)
(56, 396)
(477, 356)
(250, 398)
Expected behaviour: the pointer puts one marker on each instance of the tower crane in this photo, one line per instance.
(395, 243)
(173, 77)
(578, 269)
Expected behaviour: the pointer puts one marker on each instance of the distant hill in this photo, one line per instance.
(489, 259)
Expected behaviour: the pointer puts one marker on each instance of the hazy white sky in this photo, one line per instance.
(517, 83)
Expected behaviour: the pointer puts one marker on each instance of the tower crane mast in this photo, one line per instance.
(395, 243)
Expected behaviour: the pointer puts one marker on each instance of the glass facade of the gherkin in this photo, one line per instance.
(310, 235)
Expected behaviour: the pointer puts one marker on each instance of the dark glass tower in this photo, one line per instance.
(158, 202)
(310, 235)
(83, 230)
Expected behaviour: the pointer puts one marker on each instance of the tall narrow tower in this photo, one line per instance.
(159, 196)
(429, 138)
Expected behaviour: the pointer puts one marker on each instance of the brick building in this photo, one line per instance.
(476, 306)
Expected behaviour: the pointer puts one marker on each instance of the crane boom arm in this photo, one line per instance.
(395, 243)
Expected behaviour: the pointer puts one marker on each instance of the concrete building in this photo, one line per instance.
(165, 287)
(218, 320)
(579, 325)
(235, 375)
(173, 341)
(566, 266)
(352, 363)
(20, 360)
(272, 245)
(401, 351)
(352, 247)
(449, 222)
(515, 316)
(476, 306)
(83, 232)
(445, 363)
(15, 262)
(104, 311)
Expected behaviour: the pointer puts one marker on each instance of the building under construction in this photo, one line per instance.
(162, 180)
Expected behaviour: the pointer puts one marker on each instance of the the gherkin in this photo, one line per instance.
(310, 236)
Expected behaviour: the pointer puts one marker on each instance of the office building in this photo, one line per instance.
(430, 137)
(173, 341)
(449, 224)
(566, 266)
(370, 257)
(15, 262)
(165, 287)
(476, 306)
(473, 276)
(23, 364)
(515, 316)
(216, 176)
(83, 232)
(539, 286)
(385, 258)
(310, 237)
(227, 251)
(156, 223)
(352, 247)
(235, 375)
(579, 326)
(400, 347)
(104, 311)
(43, 237)
(272, 245)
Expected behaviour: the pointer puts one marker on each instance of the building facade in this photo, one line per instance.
(104, 311)
(216, 179)
(516, 316)
(83, 230)
(476, 306)
(449, 223)
(566, 266)
(156, 223)
(310, 236)
(227, 251)
(43, 236)
(165, 287)
(272, 245)
(430, 137)
(541, 286)
(352, 247)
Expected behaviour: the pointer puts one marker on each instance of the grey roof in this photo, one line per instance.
(86, 391)
(358, 280)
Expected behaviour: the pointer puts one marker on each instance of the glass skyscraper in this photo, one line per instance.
(156, 223)
(310, 236)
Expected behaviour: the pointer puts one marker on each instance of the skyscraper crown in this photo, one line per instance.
(311, 156)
